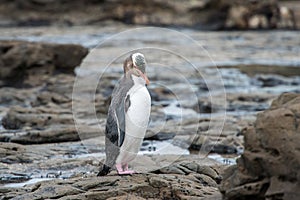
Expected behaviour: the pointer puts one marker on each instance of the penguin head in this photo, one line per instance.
(136, 63)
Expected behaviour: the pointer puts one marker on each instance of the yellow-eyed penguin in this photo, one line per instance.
(128, 116)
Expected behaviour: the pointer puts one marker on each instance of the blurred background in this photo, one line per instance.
(199, 14)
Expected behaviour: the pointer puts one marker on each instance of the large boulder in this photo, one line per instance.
(30, 64)
(270, 165)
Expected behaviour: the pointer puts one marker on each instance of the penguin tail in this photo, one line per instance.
(104, 171)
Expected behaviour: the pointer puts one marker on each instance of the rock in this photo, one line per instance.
(237, 17)
(13, 96)
(61, 84)
(271, 80)
(44, 115)
(242, 15)
(269, 167)
(39, 162)
(259, 15)
(52, 191)
(57, 90)
(51, 120)
(258, 21)
(46, 98)
(204, 106)
(51, 135)
(39, 117)
(21, 61)
(162, 136)
(286, 99)
(287, 18)
(13, 178)
(188, 168)
(13, 153)
(207, 144)
(228, 141)
(195, 185)
(248, 102)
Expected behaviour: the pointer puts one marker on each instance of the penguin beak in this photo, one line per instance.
(143, 75)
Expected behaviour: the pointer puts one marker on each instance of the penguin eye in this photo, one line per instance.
(129, 65)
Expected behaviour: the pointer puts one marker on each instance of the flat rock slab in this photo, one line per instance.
(139, 186)
(158, 177)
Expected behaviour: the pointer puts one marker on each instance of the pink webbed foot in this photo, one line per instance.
(123, 169)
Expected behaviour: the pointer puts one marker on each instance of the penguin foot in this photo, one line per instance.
(104, 171)
(123, 169)
(127, 172)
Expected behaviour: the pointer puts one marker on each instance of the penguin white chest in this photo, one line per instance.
(136, 122)
(138, 113)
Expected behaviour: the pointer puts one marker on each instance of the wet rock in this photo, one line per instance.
(46, 115)
(57, 91)
(21, 62)
(248, 102)
(247, 106)
(162, 136)
(240, 101)
(13, 153)
(204, 106)
(13, 178)
(13, 96)
(61, 84)
(271, 80)
(49, 99)
(269, 166)
(207, 144)
(40, 162)
(38, 117)
(227, 140)
(51, 135)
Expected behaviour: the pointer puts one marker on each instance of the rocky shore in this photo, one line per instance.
(267, 169)
(43, 156)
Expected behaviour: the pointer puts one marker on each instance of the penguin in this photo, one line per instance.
(128, 116)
